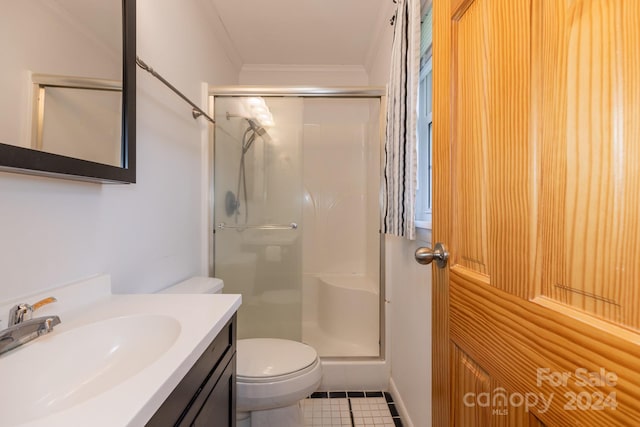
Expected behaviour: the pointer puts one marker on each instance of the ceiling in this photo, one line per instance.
(97, 20)
(304, 32)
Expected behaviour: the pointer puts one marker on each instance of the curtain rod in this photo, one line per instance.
(196, 112)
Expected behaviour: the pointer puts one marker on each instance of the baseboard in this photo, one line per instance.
(397, 399)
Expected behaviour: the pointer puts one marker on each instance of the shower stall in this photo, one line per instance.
(295, 214)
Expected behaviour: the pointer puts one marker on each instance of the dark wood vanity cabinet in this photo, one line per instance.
(206, 396)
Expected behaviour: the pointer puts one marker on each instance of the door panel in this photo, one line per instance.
(590, 188)
(536, 192)
(480, 400)
(469, 377)
(512, 339)
(471, 137)
(489, 151)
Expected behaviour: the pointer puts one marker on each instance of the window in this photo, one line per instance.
(425, 125)
(425, 137)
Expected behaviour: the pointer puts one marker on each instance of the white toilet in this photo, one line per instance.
(272, 375)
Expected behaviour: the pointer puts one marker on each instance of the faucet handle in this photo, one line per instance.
(21, 312)
(49, 323)
(42, 302)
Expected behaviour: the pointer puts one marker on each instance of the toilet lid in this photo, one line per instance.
(262, 358)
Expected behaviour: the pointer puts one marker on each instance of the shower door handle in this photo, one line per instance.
(426, 255)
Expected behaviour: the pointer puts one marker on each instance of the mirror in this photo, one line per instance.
(67, 80)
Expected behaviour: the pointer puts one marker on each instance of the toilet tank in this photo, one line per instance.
(196, 285)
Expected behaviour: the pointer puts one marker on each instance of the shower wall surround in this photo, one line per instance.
(341, 175)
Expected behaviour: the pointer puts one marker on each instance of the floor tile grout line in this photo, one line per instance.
(386, 397)
(353, 423)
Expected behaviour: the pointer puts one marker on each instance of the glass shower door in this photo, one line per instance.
(258, 211)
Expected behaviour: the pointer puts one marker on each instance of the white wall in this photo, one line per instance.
(410, 311)
(147, 235)
(69, 49)
(409, 294)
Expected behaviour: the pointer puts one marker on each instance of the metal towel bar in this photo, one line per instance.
(196, 112)
(292, 226)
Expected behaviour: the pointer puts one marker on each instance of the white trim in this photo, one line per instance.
(222, 33)
(397, 400)
(426, 67)
(423, 224)
(206, 168)
(302, 68)
(310, 91)
(379, 31)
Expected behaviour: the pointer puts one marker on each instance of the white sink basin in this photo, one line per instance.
(65, 368)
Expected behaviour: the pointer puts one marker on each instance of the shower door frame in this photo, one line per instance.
(372, 92)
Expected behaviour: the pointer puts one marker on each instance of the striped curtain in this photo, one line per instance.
(401, 162)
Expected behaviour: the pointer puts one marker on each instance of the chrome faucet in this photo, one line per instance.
(23, 328)
(21, 312)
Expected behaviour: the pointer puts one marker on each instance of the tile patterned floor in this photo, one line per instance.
(350, 409)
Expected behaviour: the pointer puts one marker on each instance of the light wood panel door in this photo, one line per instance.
(537, 197)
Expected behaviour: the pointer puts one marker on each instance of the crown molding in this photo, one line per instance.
(303, 68)
(229, 47)
(379, 30)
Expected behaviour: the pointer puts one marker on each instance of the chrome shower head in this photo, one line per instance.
(254, 129)
(259, 130)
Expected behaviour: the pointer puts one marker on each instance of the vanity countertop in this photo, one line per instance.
(190, 321)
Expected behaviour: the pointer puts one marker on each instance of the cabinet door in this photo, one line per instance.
(219, 410)
(186, 400)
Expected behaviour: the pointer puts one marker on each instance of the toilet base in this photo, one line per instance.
(243, 419)
(288, 416)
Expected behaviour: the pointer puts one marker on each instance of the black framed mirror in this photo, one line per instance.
(68, 108)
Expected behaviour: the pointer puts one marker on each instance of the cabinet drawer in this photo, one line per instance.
(212, 362)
